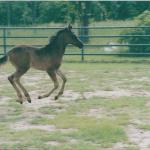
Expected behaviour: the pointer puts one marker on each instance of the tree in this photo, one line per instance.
(3, 10)
(30, 12)
(53, 11)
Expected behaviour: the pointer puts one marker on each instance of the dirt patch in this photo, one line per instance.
(95, 112)
(73, 141)
(70, 95)
(68, 130)
(32, 110)
(71, 71)
(53, 143)
(84, 79)
(148, 104)
(142, 79)
(3, 76)
(34, 78)
(139, 137)
(23, 125)
(98, 113)
(112, 94)
(4, 99)
(115, 93)
(38, 103)
(118, 146)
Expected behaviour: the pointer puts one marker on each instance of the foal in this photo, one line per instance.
(47, 58)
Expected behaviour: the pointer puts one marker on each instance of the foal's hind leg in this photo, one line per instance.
(63, 84)
(15, 78)
(52, 74)
(26, 94)
(12, 81)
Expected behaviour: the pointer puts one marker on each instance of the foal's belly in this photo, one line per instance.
(44, 63)
(40, 64)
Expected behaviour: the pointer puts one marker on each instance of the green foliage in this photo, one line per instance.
(142, 20)
(56, 11)
(30, 12)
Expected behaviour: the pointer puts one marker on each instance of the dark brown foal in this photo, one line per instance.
(47, 58)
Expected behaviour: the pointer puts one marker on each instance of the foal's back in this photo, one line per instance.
(24, 57)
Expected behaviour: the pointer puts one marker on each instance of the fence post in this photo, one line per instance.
(4, 41)
(82, 54)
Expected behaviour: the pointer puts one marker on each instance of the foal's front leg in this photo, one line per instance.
(63, 84)
(52, 74)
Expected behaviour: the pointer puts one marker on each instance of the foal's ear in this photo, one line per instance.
(69, 26)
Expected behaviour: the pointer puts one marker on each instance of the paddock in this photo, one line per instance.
(105, 106)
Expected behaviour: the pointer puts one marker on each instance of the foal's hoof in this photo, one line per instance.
(39, 97)
(21, 102)
(56, 97)
(29, 100)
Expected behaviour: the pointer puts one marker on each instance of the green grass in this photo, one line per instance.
(74, 120)
(50, 110)
(32, 138)
(126, 102)
(104, 131)
(144, 126)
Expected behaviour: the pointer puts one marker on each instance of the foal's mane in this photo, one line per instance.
(53, 38)
(51, 47)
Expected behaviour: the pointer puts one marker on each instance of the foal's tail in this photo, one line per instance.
(3, 60)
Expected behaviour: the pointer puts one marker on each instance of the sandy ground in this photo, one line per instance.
(138, 137)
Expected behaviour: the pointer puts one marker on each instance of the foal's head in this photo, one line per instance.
(71, 38)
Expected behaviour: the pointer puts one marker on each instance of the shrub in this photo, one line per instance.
(141, 20)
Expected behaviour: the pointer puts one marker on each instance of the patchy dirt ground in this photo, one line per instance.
(138, 139)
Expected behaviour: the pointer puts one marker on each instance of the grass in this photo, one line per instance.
(94, 123)
(144, 126)
(50, 110)
(126, 102)
(32, 138)
(102, 131)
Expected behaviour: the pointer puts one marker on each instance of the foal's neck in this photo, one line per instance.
(61, 44)
(58, 47)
